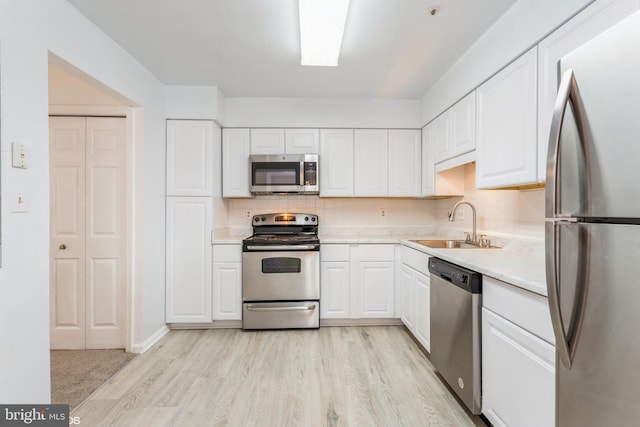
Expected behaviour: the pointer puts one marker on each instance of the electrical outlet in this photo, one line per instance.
(383, 212)
(460, 214)
(247, 214)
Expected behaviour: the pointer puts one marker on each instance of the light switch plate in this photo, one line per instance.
(20, 156)
(18, 199)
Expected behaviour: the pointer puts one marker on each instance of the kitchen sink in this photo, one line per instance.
(451, 244)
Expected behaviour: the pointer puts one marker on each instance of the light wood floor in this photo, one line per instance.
(333, 376)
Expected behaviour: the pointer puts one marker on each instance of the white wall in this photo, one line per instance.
(194, 102)
(522, 26)
(327, 113)
(29, 30)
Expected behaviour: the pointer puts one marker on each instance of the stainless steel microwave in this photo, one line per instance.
(284, 173)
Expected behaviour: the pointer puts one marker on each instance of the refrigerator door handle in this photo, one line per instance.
(567, 92)
(566, 342)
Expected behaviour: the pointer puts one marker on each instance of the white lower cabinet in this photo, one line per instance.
(518, 367)
(227, 282)
(375, 284)
(415, 282)
(334, 290)
(188, 257)
(357, 281)
(335, 278)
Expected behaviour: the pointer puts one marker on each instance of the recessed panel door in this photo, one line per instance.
(67, 244)
(88, 232)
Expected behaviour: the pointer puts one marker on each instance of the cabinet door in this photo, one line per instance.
(407, 315)
(422, 320)
(506, 143)
(235, 163)
(375, 289)
(267, 141)
(336, 162)
(518, 375)
(301, 141)
(189, 158)
(227, 291)
(334, 289)
(441, 128)
(404, 163)
(371, 162)
(587, 24)
(428, 169)
(188, 257)
(463, 125)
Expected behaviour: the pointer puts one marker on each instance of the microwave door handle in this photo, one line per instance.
(568, 91)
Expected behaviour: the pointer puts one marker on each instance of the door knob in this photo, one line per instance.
(63, 246)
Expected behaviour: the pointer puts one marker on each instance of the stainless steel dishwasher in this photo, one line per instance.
(456, 302)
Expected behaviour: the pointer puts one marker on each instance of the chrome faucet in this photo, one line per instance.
(474, 238)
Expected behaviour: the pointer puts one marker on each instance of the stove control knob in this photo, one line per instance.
(264, 218)
(256, 219)
(313, 218)
(306, 219)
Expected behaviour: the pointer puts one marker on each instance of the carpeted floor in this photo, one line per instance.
(75, 374)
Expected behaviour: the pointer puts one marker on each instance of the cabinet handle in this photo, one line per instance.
(63, 246)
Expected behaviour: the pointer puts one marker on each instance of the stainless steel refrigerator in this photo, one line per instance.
(593, 231)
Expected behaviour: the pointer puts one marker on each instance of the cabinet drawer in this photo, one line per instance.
(377, 252)
(415, 259)
(227, 253)
(334, 253)
(526, 309)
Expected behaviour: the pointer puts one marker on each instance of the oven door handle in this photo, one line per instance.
(290, 308)
(282, 248)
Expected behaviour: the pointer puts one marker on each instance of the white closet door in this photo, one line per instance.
(88, 232)
(67, 271)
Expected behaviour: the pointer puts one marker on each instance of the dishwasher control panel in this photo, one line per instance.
(457, 275)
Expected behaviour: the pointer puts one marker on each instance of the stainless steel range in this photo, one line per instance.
(281, 272)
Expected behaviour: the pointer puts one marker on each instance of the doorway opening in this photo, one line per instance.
(91, 170)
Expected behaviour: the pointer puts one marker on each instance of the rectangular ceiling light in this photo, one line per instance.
(321, 28)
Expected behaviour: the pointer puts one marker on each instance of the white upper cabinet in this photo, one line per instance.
(190, 157)
(463, 125)
(440, 129)
(428, 170)
(587, 24)
(453, 131)
(371, 169)
(302, 141)
(506, 143)
(336, 162)
(267, 141)
(235, 163)
(404, 163)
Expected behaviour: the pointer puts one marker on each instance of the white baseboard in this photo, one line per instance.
(149, 342)
(361, 322)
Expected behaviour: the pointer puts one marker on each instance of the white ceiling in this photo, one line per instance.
(251, 48)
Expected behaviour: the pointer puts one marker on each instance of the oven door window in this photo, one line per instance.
(281, 265)
(279, 173)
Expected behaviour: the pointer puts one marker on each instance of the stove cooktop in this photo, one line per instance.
(283, 238)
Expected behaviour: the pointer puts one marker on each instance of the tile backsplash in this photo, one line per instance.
(512, 212)
(508, 212)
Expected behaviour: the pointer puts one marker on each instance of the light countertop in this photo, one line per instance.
(519, 262)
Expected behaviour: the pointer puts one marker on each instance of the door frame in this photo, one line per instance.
(130, 117)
